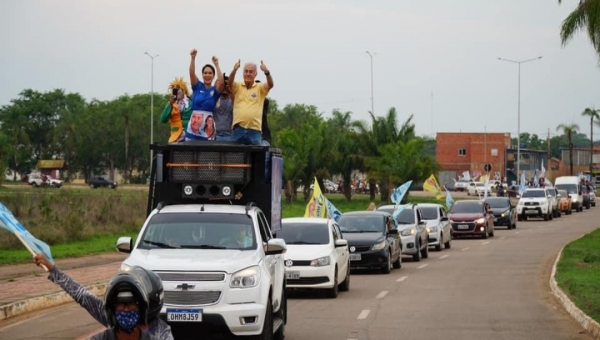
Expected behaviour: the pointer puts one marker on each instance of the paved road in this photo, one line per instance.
(479, 289)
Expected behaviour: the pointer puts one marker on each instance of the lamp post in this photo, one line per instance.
(372, 99)
(151, 102)
(519, 62)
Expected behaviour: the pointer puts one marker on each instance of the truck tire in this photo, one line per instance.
(267, 332)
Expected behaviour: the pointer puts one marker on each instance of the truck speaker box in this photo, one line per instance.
(215, 191)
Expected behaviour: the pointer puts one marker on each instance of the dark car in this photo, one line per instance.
(504, 211)
(372, 239)
(471, 218)
(101, 182)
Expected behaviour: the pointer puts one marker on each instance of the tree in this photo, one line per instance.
(586, 16)
(593, 114)
(569, 130)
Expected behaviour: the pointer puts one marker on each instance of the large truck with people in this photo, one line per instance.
(213, 212)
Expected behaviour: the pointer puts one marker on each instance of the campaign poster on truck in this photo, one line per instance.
(276, 187)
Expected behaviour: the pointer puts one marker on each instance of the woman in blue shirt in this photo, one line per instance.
(204, 97)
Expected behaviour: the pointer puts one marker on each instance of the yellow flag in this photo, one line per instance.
(316, 205)
(431, 185)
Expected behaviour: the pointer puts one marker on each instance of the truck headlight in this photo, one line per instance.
(378, 246)
(246, 278)
(320, 262)
(408, 232)
(125, 267)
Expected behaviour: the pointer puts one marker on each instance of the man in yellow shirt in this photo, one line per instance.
(248, 104)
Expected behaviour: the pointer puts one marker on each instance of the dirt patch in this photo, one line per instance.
(21, 270)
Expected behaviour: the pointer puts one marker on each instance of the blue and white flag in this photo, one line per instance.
(449, 200)
(536, 183)
(523, 184)
(10, 223)
(332, 211)
(397, 196)
(398, 210)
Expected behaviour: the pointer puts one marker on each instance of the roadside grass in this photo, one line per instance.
(80, 221)
(578, 273)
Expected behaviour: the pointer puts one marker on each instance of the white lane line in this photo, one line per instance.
(484, 243)
(363, 314)
(443, 256)
(382, 294)
(422, 266)
(402, 278)
(467, 248)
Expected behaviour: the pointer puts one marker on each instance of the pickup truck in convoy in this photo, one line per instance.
(44, 181)
(213, 212)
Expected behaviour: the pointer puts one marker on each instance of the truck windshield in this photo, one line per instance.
(534, 193)
(570, 188)
(304, 233)
(198, 231)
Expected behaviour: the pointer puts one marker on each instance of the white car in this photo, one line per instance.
(317, 255)
(535, 202)
(478, 189)
(219, 265)
(462, 184)
(437, 224)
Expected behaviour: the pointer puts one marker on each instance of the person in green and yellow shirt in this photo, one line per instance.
(178, 110)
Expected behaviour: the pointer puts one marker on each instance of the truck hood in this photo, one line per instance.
(229, 261)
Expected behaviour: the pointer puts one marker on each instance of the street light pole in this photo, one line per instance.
(372, 98)
(151, 102)
(519, 62)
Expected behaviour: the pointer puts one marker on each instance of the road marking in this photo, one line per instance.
(443, 256)
(467, 248)
(422, 266)
(402, 278)
(363, 314)
(382, 294)
(484, 243)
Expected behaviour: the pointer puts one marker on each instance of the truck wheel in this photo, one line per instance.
(282, 314)
(267, 332)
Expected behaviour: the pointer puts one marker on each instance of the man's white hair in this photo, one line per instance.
(251, 64)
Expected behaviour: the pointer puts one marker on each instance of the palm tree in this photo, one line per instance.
(592, 114)
(569, 130)
(585, 16)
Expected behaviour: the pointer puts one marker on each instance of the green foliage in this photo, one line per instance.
(578, 273)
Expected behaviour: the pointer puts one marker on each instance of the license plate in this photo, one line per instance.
(292, 275)
(184, 315)
(463, 226)
(354, 257)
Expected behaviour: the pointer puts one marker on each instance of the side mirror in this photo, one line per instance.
(393, 232)
(125, 244)
(341, 243)
(275, 246)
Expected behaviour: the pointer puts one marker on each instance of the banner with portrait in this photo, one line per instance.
(201, 126)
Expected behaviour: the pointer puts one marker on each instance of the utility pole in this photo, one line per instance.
(372, 98)
(151, 103)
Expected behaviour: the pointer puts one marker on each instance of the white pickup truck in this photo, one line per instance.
(209, 240)
(37, 180)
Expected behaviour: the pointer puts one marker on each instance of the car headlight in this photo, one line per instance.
(480, 220)
(246, 278)
(379, 245)
(408, 232)
(125, 267)
(521, 203)
(320, 262)
(432, 229)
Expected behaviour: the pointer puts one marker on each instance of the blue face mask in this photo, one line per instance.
(128, 320)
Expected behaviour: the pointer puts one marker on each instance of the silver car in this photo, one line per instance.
(437, 225)
(413, 230)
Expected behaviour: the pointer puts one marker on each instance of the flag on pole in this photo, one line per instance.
(449, 200)
(432, 186)
(523, 184)
(397, 196)
(12, 225)
(486, 187)
(543, 171)
(332, 212)
(316, 204)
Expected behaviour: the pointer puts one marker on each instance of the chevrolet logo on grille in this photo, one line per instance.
(185, 286)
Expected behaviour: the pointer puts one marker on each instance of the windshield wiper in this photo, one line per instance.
(202, 246)
(302, 242)
(159, 244)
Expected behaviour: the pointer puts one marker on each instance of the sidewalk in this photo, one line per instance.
(25, 287)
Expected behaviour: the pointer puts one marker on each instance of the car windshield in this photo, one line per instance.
(430, 213)
(534, 193)
(304, 233)
(461, 208)
(361, 224)
(198, 231)
(498, 203)
(406, 216)
(570, 188)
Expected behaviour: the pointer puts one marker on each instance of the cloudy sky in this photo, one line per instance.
(436, 59)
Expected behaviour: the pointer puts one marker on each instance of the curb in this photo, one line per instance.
(590, 325)
(44, 301)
